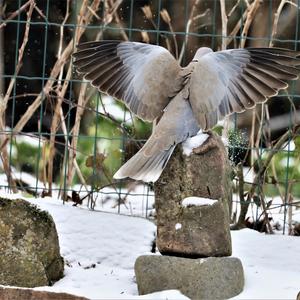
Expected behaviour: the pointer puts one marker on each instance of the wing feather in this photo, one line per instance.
(143, 76)
(234, 80)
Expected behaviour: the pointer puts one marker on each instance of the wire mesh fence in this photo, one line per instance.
(61, 137)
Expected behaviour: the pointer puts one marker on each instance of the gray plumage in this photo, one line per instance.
(149, 80)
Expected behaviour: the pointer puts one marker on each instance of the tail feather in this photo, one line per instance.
(145, 168)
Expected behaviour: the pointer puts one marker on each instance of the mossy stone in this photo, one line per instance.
(29, 245)
(204, 230)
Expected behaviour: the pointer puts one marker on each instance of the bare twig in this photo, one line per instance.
(61, 93)
(64, 128)
(145, 37)
(166, 17)
(82, 101)
(241, 183)
(224, 24)
(54, 126)
(20, 58)
(148, 14)
(188, 25)
(250, 16)
(1, 56)
(236, 28)
(40, 13)
(84, 17)
(108, 16)
(259, 175)
(276, 18)
(264, 208)
(94, 13)
(118, 21)
(105, 115)
(16, 13)
(3, 104)
(275, 22)
(233, 9)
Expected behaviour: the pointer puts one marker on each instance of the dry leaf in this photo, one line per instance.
(147, 12)
(145, 37)
(165, 16)
(95, 161)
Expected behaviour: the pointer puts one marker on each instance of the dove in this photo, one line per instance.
(181, 100)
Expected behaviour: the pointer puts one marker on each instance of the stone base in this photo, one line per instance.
(204, 278)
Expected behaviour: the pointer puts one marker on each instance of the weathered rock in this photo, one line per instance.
(28, 245)
(28, 294)
(201, 231)
(204, 278)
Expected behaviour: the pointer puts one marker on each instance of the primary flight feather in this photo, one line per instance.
(149, 80)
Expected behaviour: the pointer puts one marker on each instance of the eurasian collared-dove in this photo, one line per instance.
(149, 80)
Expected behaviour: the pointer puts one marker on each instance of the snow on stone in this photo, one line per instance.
(225, 141)
(178, 226)
(194, 142)
(197, 201)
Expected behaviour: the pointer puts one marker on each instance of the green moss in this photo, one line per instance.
(29, 245)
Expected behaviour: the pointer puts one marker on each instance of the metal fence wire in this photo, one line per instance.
(60, 137)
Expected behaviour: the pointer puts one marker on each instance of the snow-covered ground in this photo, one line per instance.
(271, 264)
(100, 249)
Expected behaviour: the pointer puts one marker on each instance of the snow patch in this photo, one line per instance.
(194, 142)
(178, 226)
(197, 201)
(100, 249)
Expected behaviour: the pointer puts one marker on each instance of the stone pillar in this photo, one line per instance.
(192, 200)
(195, 230)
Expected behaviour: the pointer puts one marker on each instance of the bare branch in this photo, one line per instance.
(84, 16)
(224, 24)
(276, 18)
(233, 8)
(250, 16)
(3, 103)
(166, 17)
(82, 101)
(259, 176)
(16, 13)
(188, 25)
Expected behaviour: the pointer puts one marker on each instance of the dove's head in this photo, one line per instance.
(201, 52)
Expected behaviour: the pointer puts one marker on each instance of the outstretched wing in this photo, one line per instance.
(235, 80)
(175, 126)
(143, 76)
